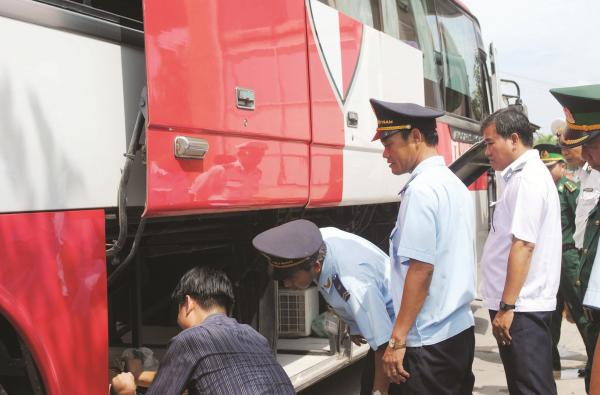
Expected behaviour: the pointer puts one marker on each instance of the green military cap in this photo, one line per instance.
(581, 105)
(550, 154)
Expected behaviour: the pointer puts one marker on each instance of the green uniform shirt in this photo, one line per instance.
(567, 193)
(588, 252)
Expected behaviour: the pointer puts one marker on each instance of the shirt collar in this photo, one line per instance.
(434, 161)
(518, 164)
(215, 317)
(327, 267)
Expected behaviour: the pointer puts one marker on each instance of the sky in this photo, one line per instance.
(542, 44)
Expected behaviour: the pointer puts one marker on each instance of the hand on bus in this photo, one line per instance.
(358, 340)
(123, 384)
(393, 365)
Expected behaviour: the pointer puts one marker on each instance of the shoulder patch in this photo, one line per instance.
(570, 185)
(339, 287)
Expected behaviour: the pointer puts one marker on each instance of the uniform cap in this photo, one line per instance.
(289, 244)
(581, 105)
(395, 117)
(550, 154)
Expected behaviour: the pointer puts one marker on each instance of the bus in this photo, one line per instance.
(141, 138)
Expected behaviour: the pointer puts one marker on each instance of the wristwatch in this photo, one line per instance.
(506, 307)
(396, 344)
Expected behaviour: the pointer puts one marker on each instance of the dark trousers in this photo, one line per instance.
(368, 376)
(593, 329)
(444, 368)
(555, 328)
(528, 359)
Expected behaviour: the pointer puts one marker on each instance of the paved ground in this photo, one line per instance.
(487, 367)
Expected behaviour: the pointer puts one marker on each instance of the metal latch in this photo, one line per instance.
(244, 98)
(190, 147)
(352, 119)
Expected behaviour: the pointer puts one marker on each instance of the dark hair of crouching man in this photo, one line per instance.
(208, 287)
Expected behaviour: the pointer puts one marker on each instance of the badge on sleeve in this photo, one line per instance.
(339, 287)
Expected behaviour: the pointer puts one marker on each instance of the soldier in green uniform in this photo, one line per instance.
(582, 111)
(567, 191)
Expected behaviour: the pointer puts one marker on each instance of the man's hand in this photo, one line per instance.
(501, 327)
(124, 384)
(358, 340)
(392, 365)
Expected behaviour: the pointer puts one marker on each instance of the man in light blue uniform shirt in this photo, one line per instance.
(352, 275)
(432, 255)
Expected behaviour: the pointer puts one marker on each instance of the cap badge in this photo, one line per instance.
(327, 283)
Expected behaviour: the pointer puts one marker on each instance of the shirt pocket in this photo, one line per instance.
(588, 199)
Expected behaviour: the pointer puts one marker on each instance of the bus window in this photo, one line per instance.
(428, 39)
(365, 11)
(399, 21)
(462, 72)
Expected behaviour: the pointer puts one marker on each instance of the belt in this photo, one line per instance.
(567, 247)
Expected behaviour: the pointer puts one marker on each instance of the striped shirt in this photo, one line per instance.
(220, 356)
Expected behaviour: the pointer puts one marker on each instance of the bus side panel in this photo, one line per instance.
(67, 106)
(53, 291)
(350, 63)
(257, 174)
(327, 118)
(198, 53)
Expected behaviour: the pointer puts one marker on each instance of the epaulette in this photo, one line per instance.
(570, 185)
(339, 287)
(514, 171)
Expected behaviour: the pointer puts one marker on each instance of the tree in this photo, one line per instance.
(545, 139)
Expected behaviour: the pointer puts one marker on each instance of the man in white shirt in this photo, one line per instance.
(522, 255)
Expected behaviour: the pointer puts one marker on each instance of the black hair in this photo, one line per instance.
(430, 136)
(284, 274)
(508, 121)
(209, 287)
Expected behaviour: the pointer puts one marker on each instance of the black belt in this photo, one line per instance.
(567, 247)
